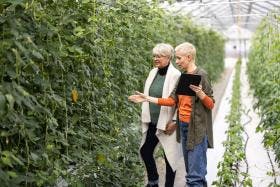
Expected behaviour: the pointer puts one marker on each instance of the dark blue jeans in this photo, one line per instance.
(195, 159)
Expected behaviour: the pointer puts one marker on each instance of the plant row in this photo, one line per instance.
(229, 173)
(66, 69)
(264, 78)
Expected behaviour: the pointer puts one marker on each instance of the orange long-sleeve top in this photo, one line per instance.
(185, 105)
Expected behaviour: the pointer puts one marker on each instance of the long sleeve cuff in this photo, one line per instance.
(166, 101)
(208, 102)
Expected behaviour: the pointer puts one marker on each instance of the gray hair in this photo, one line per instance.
(163, 49)
(186, 48)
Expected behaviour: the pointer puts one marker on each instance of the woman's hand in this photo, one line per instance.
(198, 91)
(170, 128)
(137, 98)
(140, 97)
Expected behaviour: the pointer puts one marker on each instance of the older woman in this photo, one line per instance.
(159, 122)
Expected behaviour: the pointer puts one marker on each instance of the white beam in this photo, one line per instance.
(242, 15)
(229, 2)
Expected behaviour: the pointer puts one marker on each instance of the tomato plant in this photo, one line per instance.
(264, 77)
(229, 173)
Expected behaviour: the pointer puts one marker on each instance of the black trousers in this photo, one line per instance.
(147, 151)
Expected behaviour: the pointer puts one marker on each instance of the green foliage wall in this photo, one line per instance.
(264, 77)
(66, 69)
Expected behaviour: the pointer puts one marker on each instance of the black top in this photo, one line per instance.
(163, 71)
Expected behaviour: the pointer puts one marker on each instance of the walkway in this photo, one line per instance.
(260, 160)
(220, 125)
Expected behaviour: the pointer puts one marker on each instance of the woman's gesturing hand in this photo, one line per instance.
(137, 98)
(140, 97)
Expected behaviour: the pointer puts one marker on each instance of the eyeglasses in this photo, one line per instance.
(158, 56)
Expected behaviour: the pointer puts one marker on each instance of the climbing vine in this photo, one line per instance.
(264, 78)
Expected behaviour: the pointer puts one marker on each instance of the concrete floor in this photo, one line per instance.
(260, 160)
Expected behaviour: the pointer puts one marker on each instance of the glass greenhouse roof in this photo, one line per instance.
(226, 15)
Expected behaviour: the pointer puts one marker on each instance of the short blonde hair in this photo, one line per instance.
(163, 49)
(187, 48)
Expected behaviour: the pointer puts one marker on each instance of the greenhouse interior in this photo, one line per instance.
(90, 93)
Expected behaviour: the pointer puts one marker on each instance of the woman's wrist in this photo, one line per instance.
(201, 94)
(152, 99)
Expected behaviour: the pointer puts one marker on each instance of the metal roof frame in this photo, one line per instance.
(224, 14)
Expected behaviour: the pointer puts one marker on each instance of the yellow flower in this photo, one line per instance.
(74, 95)
(100, 158)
